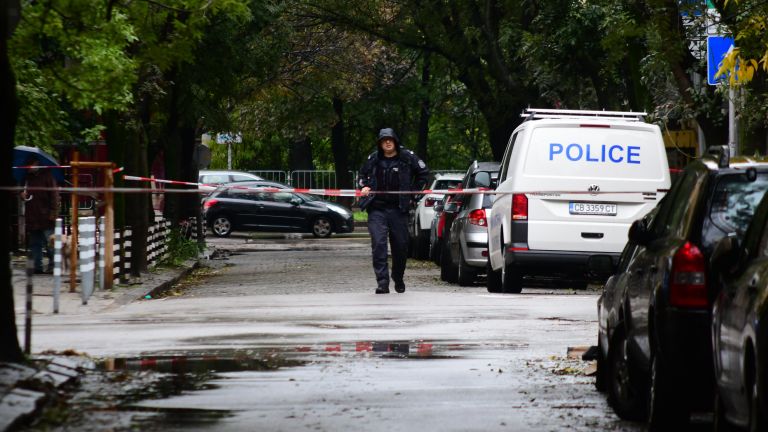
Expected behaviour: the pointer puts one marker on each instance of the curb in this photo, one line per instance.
(165, 286)
(26, 388)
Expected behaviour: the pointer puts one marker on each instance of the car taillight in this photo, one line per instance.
(440, 225)
(688, 287)
(519, 207)
(477, 217)
(430, 202)
(210, 203)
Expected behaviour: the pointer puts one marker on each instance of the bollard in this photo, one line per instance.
(151, 246)
(58, 237)
(127, 251)
(87, 229)
(101, 253)
(116, 264)
(28, 317)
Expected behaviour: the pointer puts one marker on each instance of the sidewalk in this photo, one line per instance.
(70, 303)
(25, 389)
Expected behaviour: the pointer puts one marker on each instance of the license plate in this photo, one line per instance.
(586, 208)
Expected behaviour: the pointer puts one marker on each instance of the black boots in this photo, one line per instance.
(400, 287)
(382, 290)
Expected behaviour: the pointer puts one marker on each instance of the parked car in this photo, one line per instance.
(218, 177)
(654, 314)
(467, 238)
(421, 218)
(444, 213)
(556, 206)
(240, 209)
(740, 327)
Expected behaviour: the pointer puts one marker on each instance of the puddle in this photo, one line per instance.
(198, 364)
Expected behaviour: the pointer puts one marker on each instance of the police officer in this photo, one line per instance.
(391, 168)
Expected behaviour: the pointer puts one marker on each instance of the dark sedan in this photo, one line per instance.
(739, 332)
(243, 208)
(655, 313)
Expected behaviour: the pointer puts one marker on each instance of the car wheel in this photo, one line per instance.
(665, 410)
(221, 226)
(623, 393)
(435, 251)
(448, 271)
(601, 376)
(322, 227)
(422, 244)
(721, 423)
(466, 274)
(757, 418)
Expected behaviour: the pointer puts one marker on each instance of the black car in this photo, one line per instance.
(739, 332)
(241, 208)
(655, 312)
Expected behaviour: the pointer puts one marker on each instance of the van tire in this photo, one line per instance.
(511, 277)
(493, 280)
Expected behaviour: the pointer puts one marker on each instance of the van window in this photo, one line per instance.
(595, 152)
(507, 156)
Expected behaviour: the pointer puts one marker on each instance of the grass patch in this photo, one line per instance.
(180, 249)
(360, 216)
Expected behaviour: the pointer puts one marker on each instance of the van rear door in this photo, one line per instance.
(588, 182)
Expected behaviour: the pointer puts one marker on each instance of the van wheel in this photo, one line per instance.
(466, 274)
(492, 280)
(511, 277)
(721, 423)
(624, 394)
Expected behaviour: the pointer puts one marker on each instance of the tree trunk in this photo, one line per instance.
(421, 148)
(10, 351)
(138, 205)
(340, 150)
(300, 155)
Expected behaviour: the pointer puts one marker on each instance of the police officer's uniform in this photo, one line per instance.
(388, 213)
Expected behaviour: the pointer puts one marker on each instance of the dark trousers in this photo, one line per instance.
(388, 224)
(38, 240)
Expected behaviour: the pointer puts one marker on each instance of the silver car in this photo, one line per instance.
(467, 238)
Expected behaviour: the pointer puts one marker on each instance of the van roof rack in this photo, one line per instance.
(546, 113)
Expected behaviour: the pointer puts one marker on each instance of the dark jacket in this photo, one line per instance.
(41, 211)
(413, 176)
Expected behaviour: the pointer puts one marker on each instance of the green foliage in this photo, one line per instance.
(180, 249)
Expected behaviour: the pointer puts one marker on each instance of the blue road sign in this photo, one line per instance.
(717, 48)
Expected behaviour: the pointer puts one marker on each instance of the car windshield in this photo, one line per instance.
(446, 184)
(733, 204)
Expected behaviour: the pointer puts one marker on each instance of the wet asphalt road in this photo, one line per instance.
(296, 340)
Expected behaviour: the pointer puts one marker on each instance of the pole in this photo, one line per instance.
(229, 155)
(73, 224)
(58, 261)
(28, 317)
(732, 144)
(109, 228)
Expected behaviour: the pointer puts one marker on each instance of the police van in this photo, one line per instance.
(571, 183)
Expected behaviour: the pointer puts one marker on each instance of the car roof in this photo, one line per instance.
(485, 166)
(449, 176)
(225, 172)
(254, 183)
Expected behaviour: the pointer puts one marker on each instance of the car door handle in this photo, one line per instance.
(753, 284)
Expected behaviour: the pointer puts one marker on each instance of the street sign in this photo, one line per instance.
(717, 48)
(229, 138)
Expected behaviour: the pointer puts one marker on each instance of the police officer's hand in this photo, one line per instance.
(365, 191)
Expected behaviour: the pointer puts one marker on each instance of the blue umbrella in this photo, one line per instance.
(21, 155)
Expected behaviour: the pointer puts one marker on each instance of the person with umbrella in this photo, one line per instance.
(41, 210)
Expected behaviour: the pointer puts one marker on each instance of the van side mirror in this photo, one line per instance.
(725, 256)
(639, 233)
(601, 267)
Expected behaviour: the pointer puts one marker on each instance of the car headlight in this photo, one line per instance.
(339, 209)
